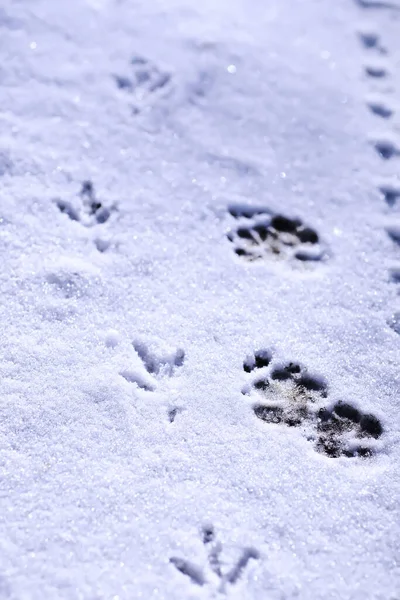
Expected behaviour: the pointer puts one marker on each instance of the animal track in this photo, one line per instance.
(289, 395)
(379, 107)
(394, 322)
(88, 210)
(216, 572)
(262, 234)
(158, 368)
(395, 275)
(371, 40)
(394, 233)
(377, 4)
(387, 147)
(146, 82)
(390, 191)
(377, 69)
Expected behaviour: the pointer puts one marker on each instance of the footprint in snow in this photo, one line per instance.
(394, 274)
(371, 40)
(378, 4)
(393, 232)
(376, 69)
(394, 322)
(149, 85)
(216, 572)
(390, 191)
(379, 106)
(286, 394)
(88, 210)
(387, 146)
(158, 369)
(145, 82)
(262, 235)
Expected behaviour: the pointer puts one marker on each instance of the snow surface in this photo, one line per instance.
(132, 464)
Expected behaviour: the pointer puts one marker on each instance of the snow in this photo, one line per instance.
(134, 460)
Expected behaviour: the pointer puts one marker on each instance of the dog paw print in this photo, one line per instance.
(216, 572)
(288, 395)
(263, 235)
(154, 370)
(145, 83)
(86, 208)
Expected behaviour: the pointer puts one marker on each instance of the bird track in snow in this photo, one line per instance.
(87, 210)
(158, 369)
(215, 573)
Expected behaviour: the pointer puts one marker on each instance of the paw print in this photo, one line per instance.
(263, 235)
(215, 571)
(287, 394)
(157, 369)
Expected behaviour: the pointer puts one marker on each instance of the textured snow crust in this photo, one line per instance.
(142, 144)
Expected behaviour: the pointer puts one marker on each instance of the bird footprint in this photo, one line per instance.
(215, 570)
(158, 368)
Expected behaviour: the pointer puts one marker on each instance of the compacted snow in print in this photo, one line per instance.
(200, 299)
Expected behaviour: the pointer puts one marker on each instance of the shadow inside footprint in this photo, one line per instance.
(260, 235)
(293, 397)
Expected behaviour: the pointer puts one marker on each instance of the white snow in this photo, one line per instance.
(132, 465)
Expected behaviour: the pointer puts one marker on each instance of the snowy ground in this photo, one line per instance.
(200, 232)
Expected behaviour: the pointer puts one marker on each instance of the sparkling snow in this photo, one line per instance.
(147, 151)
